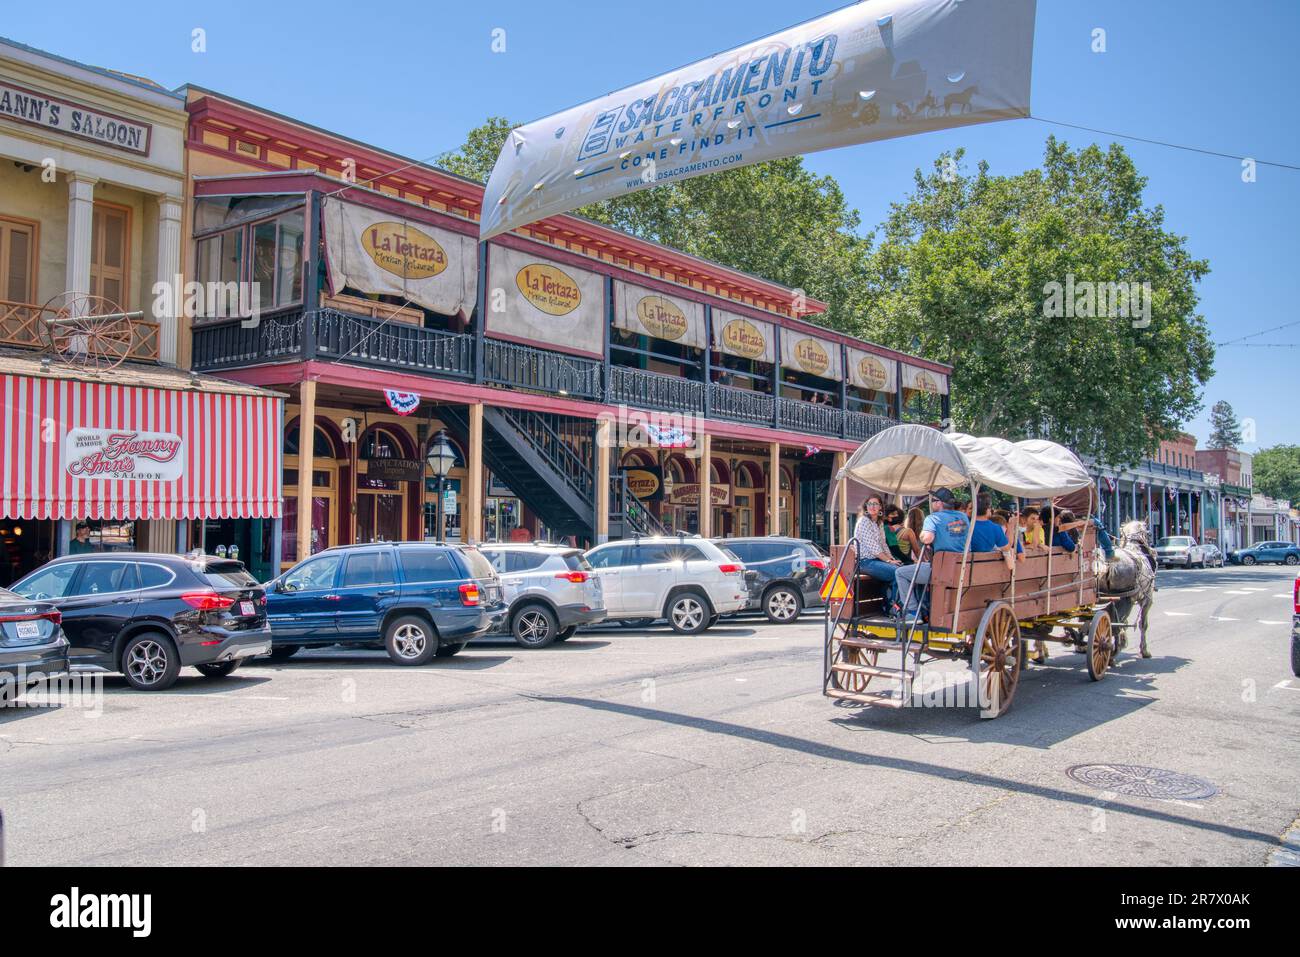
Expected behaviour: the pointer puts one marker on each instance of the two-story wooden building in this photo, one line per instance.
(592, 384)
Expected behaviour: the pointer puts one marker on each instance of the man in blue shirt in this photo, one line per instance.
(988, 535)
(945, 530)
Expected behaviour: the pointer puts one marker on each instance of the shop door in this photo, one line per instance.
(379, 517)
(322, 525)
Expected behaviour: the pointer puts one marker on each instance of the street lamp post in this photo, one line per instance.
(441, 458)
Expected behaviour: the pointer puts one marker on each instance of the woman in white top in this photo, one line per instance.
(874, 557)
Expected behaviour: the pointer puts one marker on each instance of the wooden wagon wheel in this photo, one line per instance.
(1101, 644)
(856, 683)
(89, 332)
(996, 659)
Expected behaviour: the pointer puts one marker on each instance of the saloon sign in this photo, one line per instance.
(123, 454)
(74, 119)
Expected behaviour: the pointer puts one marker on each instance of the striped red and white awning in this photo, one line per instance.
(76, 449)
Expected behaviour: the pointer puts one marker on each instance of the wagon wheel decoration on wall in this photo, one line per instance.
(86, 331)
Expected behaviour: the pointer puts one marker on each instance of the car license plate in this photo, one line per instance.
(246, 608)
(29, 629)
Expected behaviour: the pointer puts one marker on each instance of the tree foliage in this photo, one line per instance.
(1225, 429)
(966, 264)
(1277, 472)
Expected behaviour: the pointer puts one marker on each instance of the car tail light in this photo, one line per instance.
(576, 577)
(55, 617)
(816, 563)
(469, 594)
(207, 600)
(731, 569)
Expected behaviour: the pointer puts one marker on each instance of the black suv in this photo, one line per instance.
(147, 615)
(789, 574)
(417, 600)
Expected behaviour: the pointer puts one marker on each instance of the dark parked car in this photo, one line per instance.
(788, 574)
(416, 600)
(1280, 553)
(148, 615)
(31, 642)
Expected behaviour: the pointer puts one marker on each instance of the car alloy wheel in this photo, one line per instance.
(688, 614)
(410, 640)
(1292, 560)
(782, 605)
(534, 626)
(1248, 560)
(147, 663)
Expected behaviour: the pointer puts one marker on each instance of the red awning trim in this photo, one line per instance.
(175, 454)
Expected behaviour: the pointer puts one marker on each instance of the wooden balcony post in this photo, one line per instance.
(776, 377)
(706, 498)
(472, 520)
(306, 463)
(898, 390)
(604, 439)
(841, 498)
(774, 488)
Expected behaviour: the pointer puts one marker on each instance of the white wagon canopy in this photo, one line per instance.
(915, 459)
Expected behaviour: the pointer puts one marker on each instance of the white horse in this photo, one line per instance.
(1131, 572)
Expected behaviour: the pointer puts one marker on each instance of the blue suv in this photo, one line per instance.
(416, 600)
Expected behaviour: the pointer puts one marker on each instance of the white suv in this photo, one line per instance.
(688, 581)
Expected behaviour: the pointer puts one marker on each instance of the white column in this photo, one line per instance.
(81, 211)
(169, 267)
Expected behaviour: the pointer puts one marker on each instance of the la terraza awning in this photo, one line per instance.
(79, 449)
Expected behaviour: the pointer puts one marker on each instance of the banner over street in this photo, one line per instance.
(876, 70)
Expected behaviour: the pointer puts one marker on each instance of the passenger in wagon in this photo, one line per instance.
(988, 535)
(874, 558)
(1031, 526)
(945, 530)
(903, 543)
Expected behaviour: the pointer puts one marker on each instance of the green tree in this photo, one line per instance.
(1277, 472)
(776, 220)
(1225, 429)
(475, 157)
(967, 265)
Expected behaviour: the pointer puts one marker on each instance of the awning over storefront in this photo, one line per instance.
(810, 354)
(658, 315)
(74, 448)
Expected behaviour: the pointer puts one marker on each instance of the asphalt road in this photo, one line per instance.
(639, 748)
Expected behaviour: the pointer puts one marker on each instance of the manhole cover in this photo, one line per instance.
(1142, 782)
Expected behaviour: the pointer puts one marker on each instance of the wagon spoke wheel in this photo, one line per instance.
(89, 332)
(1101, 644)
(996, 659)
(855, 683)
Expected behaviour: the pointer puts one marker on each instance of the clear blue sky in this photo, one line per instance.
(413, 77)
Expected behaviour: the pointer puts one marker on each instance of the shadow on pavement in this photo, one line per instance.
(376, 661)
(940, 773)
(1053, 703)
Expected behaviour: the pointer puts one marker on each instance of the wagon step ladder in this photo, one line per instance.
(860, 675)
